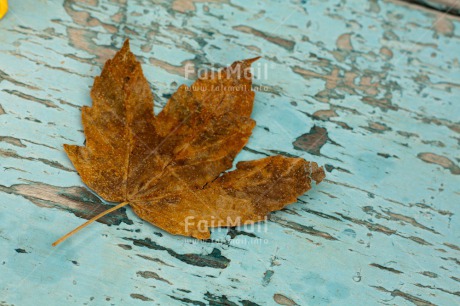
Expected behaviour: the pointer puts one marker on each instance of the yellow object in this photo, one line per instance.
(3, 8)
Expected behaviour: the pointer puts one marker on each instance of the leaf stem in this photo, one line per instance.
(102, 214)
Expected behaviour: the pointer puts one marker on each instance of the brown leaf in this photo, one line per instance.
(168, 167)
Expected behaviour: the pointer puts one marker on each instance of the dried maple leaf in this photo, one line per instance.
(169, 167)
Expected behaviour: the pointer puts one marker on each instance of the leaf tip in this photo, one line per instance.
(317, 173)
(66, 147)
(126, 44)
(249, 61)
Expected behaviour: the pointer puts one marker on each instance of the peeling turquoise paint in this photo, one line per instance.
(381, 77)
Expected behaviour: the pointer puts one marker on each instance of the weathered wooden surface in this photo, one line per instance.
(448, 6)
(369, 89)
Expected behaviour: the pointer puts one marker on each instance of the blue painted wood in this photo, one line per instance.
(369, 89)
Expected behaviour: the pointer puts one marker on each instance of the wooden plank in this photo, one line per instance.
(368, 89)
(448, 6)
